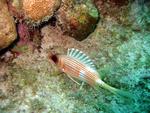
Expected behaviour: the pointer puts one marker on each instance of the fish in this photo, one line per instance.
(78, 65)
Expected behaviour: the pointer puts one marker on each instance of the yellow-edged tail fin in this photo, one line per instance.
(115, 90)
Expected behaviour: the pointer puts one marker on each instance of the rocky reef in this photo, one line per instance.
(75, 17)
(41, 10)
(34, 12)
(7, 26)
(119, 46)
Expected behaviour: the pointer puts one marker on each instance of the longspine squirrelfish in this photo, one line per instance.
(78, 65)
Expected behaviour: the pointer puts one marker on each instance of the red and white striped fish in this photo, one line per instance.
(78, 65)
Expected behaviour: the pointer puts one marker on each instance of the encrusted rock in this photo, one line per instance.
(78, 18)
(7, 26)
(37, 11)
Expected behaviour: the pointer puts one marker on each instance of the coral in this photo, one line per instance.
(23, 33)
(32, 83)
(76, 17)
(41, 10)
(49, 40)
(24, 43)
(34, 12)
(140, 13)
(120, 2)
(7, 26)
(29, 84)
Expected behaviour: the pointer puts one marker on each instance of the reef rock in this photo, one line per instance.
(39, 10)
(78, 18)
(7, 26)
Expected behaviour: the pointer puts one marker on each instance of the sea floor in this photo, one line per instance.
(120, 48)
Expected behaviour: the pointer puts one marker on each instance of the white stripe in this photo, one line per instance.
(82, 74)
(99, 81)
(90, 69)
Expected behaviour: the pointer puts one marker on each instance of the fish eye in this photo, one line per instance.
(54, 58)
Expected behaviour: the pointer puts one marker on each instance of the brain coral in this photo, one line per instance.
(39, 10)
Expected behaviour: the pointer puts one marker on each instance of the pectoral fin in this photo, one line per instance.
(73, 79)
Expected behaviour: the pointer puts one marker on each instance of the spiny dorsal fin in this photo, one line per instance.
(79, 55)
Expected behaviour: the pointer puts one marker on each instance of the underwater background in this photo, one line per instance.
(113, 33)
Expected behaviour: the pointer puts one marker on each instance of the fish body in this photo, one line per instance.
(77, 69)
(78, 65)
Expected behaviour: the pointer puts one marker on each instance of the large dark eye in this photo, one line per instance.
(54, 58)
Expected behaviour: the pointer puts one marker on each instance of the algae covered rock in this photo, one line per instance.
(78, 18)
(7, 26)
(37, 11)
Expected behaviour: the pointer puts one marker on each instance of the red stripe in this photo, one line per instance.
(73, 68)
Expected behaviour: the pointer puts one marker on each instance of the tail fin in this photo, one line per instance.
(114, 90)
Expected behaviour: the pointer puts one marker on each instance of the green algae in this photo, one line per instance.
(37, 105)
(78, 18)
(122, 57)
(26, 78)
(93, 11)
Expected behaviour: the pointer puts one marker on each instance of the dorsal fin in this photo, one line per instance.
(79, 55)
